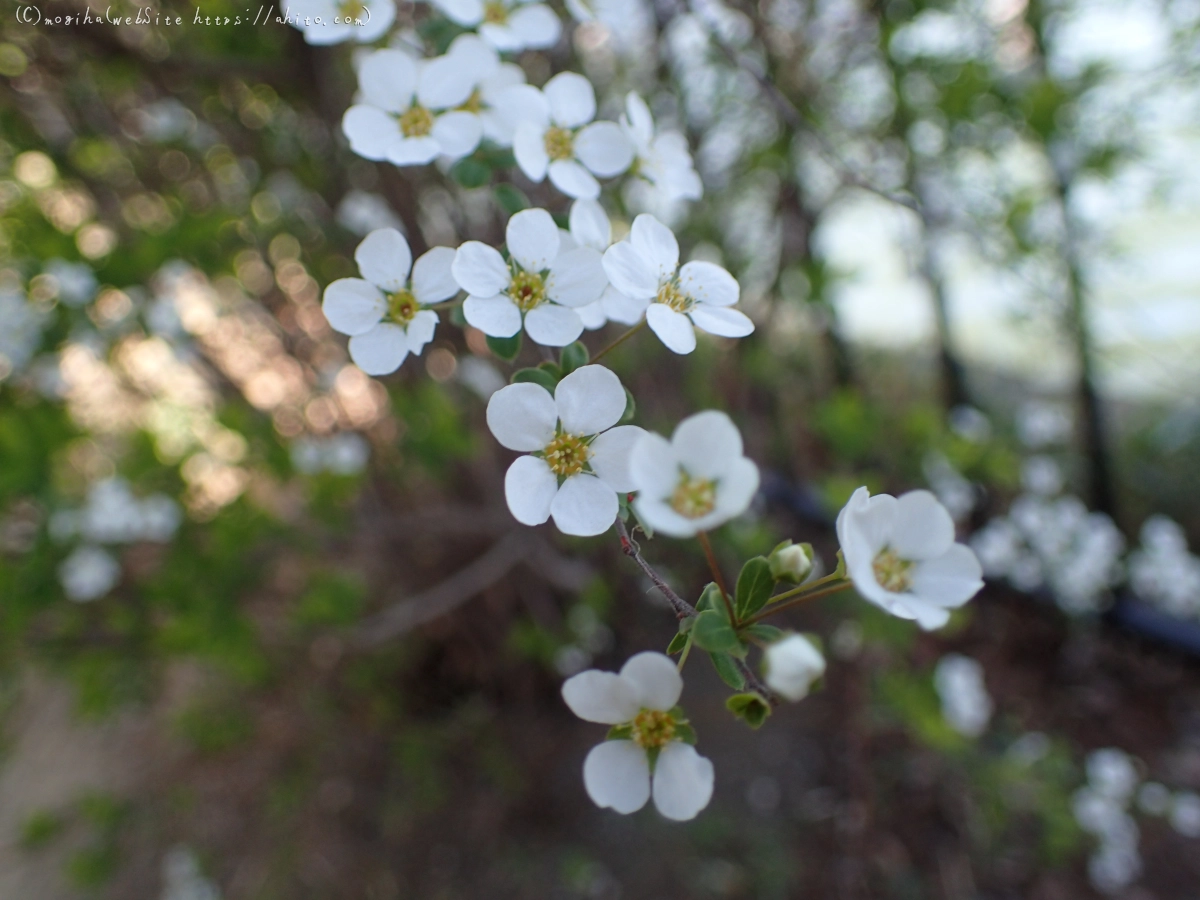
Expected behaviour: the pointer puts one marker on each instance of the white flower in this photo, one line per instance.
(88, 574)
(617, 773)
(697, 480)
(791, 562)
(590, 227)
(540, 284)
(382, 313)
(340, 21)
(791, 665)
(498, 91)
(663, 159)
(412, 112)
(579, 461)
(555, 139)
(966, 705)
(901, 556)
(1112, 773)
(1185, 814)
(646, 267)
(508, 25)
(361, 213)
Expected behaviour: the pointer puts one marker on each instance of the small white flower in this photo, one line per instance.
(339, 20)
(88, 574)
(1185, 814)
(621, 774)
(413, 112)
(791, 665)
(498, 91)
(662, 159)
(556, 138)
(508, 25)
(791, 562)
(697, 480)
(541, 284)
(579, 461)
(646, 267)
(966, 705)
(901, 556)
(590, 227)
(1112, 773)
(382, 312)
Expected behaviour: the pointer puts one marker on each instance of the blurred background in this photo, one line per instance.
(267, 629)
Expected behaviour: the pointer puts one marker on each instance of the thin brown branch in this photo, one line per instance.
(682, 608)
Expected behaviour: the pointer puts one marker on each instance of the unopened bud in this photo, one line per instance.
(791, 562)
(791, 665)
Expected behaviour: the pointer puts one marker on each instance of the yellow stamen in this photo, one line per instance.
(671, 295)
(527, 290)
(352, 9)
(402, 307)
(694, 497)
(560, 143)
(416, 121)
(652, 729)
(495, 12)
(893, 573)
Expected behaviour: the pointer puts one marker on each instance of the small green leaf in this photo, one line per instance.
(573, 357)
(750, 708)
(761, 631)
(728, 670)
(685, 732)
(619, 733)
(754, 587)
(535, 376)
(505, 348)
(712, 632)
(677, 644)
(509, 198)
(471, 172)
(553, 368)
(710, 598)
(630, 409)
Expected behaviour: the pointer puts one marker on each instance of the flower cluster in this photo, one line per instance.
(966, 705)
(1163, 572)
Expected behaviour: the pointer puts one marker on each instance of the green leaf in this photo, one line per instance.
(712, 632)
(536, 376)
(677, 644)
(728, 671)
(761, 631)
(619, 733)
(553, 368)
(710, 598)
(573, 357)
(505, 348)
(630, 409)
(685, 732)
(510, 198)
(471, 173)
(754, 587)
(750, 708)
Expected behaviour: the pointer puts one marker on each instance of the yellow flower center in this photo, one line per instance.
(352, 9)
(893, 573)
(495, 12)
(402, 306)
(567, 454)
(671, 295)
(527, 290)
(560, 143)
(416, 121)
(653, 729)
(693, 497)
(474, 103)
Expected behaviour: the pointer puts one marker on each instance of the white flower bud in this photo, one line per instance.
(791, 562)
(791, 665)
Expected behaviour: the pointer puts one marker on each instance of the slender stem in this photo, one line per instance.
(796, 601)
(447, 304)
(754, 682)
(806, 587)
(702, 537)
(682, 608)
(687, 648)
(620, 340)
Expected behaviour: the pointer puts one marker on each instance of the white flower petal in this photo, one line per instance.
(870, 526)
(638, 119)
(707, 443)
(601, 697)
(589, 400)
(590, 226)
(576, 277)
(529, 488)
(683, 782)
(584, 506)
(382, 15)
(495, 316)
(529, 149)
(414, 151)
(708, 283)
(612, 454)
(630, 272)
(737, 489)
(655, 679)
(922, 529)
(522, 416)
(552, 325)
(536, 25)
(384, 259)
(658, 514)
(617, 776)
(623, 309)
(657, 244)
(654, 467)
(467, 13)
(353, 306)
(674, 329)
(604, 148)
(457, 133)
(592, 316)
(949, 580)
(502, 37)
(521, 103)
(433, 276)
(421, 329)
(370, 131)
(381, 350)
(445, 82)
(532, 239)
(573, 179)
(480, 269)
(721, 321)
(572, 99)
(388, 80)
